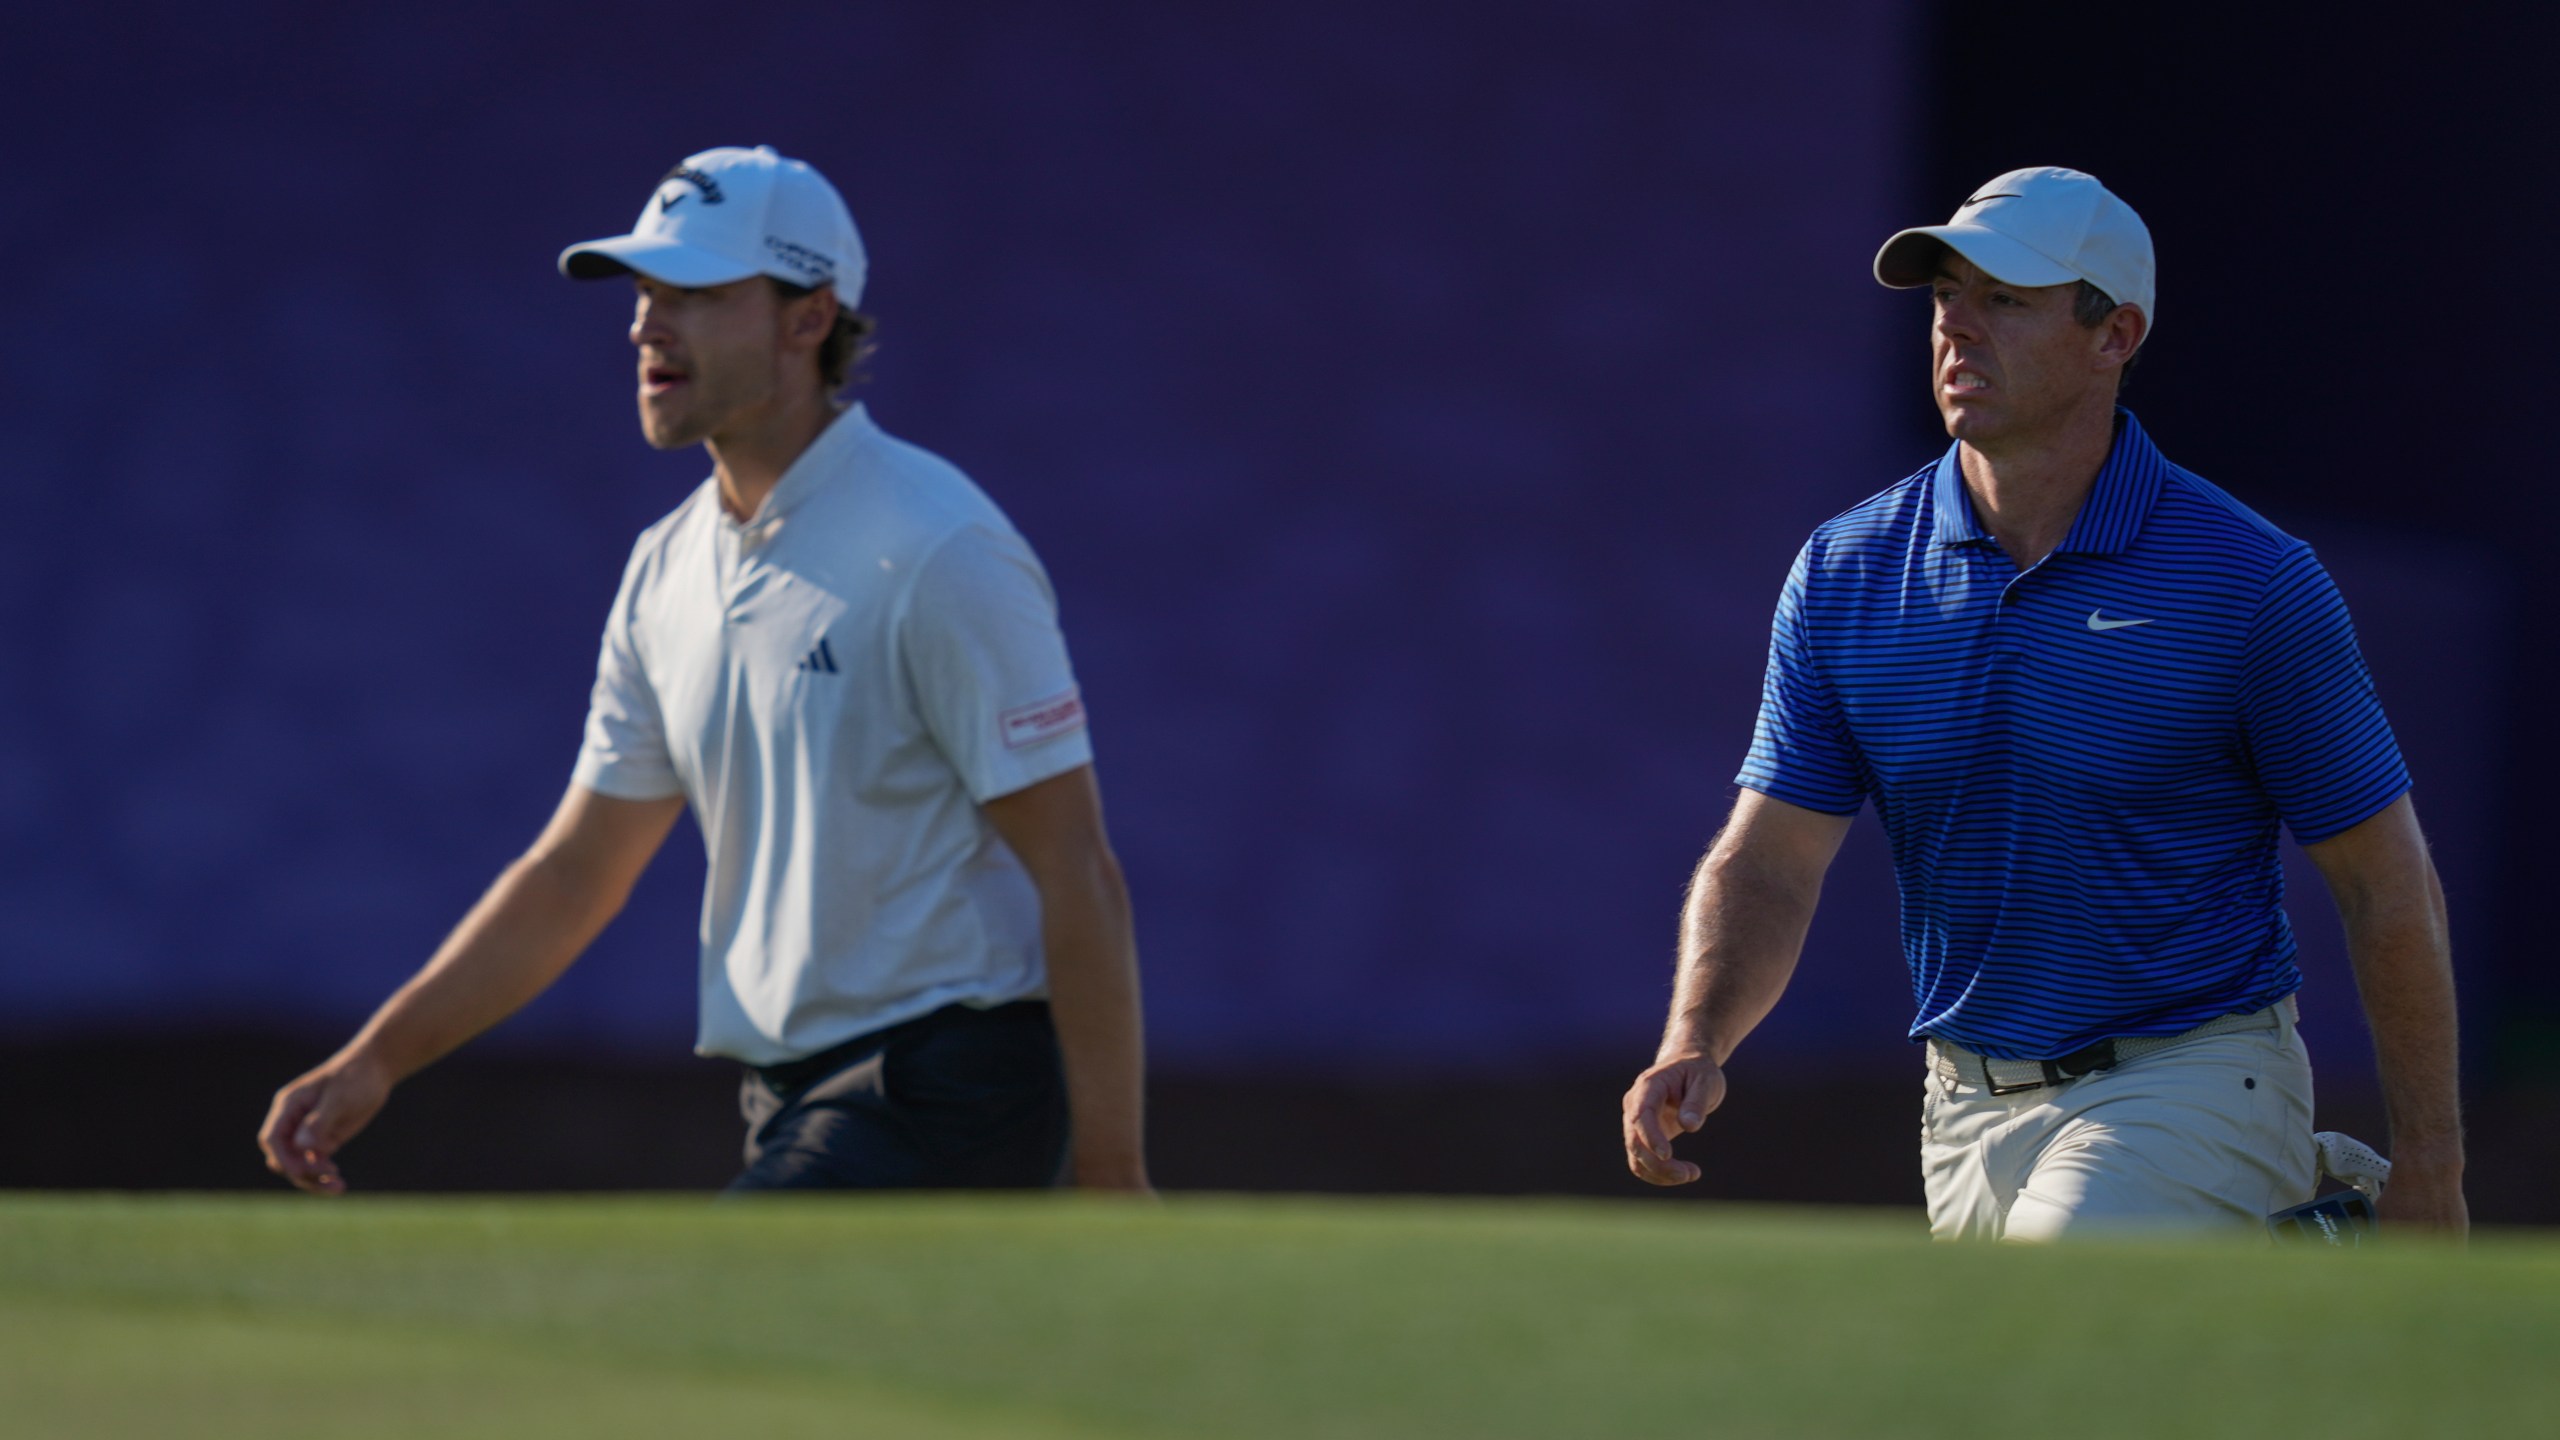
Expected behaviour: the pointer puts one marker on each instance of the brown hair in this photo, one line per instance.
(847, 346)
(2091, 306)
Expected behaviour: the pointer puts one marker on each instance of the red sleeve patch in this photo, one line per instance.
(1041, 720)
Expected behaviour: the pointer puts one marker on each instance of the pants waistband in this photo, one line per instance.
(1961, 1066)
(790, 1075)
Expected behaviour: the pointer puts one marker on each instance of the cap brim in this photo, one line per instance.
(659, 259)
(1908, 260)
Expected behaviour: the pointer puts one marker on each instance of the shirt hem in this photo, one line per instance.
(854, 1028)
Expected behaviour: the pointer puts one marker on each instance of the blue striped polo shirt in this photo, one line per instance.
(2082, 765)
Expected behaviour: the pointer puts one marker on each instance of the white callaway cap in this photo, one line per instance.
(2043, 226)
(727, 214)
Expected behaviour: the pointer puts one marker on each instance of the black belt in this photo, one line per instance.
(2012, 1077)
(787, 1076)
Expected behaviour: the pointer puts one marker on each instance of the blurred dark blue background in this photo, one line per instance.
(1417, 406)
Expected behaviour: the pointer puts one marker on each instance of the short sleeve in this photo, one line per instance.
(982, 647)
(625, 751)
(1801, 750)
(2317, 738)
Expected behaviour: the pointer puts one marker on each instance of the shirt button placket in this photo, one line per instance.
(733, 575)
(2000, 672)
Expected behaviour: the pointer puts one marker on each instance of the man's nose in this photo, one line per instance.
(1956, 319)
(646, 325)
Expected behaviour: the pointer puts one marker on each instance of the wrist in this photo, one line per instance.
(1688, 1042)
(364, 1060)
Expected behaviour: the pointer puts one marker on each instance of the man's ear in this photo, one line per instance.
(2123, 333)
(812, 316)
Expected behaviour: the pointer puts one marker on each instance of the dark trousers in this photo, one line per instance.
(961, 1099)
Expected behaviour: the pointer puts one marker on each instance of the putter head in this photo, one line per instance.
(2344, 1220)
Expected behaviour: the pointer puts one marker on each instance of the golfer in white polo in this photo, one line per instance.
(840, 655)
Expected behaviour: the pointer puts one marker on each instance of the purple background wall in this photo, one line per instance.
(1417, 409)
(1417, 406)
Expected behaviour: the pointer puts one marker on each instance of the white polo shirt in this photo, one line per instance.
(835, 685)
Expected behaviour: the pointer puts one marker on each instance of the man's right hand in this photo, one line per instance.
(316, 1114)
(1741, 929)
(1669, 1100)
(523, 933)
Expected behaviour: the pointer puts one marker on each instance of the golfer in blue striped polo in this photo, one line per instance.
(2083, 688)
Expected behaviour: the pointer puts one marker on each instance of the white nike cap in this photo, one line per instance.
(727, 214)
(2041, 226)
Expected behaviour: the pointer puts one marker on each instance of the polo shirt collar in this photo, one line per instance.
(2127, 486)
(826, 456)
(1957, 524)
(2118, 502)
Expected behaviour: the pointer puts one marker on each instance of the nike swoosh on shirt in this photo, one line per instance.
(2096, 623)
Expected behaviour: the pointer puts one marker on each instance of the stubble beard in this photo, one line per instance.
(690, 420)
(670, 433)
(702, 414)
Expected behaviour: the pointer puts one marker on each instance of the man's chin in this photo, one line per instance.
(1966, 422)
(668, 432)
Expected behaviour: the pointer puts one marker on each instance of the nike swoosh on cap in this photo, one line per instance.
(2095, 623)
(1995, 195)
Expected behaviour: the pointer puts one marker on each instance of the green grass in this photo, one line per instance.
(946, 1318)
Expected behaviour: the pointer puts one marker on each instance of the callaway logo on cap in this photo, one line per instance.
(727, 214)
(2044, 226)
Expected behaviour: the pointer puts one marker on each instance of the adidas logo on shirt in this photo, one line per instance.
(820, 661)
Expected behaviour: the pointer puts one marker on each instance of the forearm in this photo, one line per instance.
(1741, 931)
(1094, 1000)
(1743, 926)
(2404, 971)
(521, 935)
(2393, 909)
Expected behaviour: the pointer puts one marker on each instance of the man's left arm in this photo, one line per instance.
(1055, 828)
(2393, 909)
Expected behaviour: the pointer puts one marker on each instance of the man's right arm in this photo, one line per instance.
(529, 927)
(1750, 903)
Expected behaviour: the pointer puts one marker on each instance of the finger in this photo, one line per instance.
(1670, 1169)
(301, 1168)
(1647, 1103)
(324, 1178)
(1691, 1110)
(1648, 1147)
(298, 1139)
(1660, 1170)
(314, 1167)
(306, 1174)
(1675, 1117)
(341, 1111)
(318, 1132)
(1703, 1097)
(284, 1117)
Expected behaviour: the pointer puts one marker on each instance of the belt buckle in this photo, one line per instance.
(2087, 1060)
(2048, 1077)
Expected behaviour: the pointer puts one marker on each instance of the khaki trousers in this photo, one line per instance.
(2207, 1135)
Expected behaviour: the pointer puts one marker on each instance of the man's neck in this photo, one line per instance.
(2028, 489)
(752, 457)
